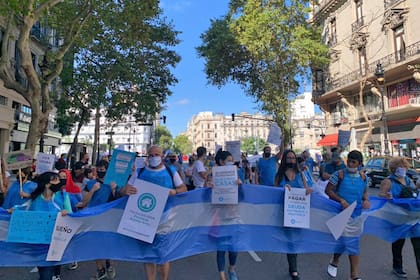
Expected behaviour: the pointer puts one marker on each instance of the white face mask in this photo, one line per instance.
(352, 169)
(229, 163)
(155, 161)
(401, 172)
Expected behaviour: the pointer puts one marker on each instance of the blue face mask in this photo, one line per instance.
(401, 172)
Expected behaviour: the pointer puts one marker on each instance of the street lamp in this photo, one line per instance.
(380, 78)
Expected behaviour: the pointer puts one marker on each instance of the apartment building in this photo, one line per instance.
(15, 111)
(209, 129)
(364, 38)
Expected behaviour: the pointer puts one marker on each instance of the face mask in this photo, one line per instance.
(172, 160)
(401, 172)
(352, 169)
(155, 161)
(101, 174)
(229, 163)
(290, 164)
(56, 187)
(267, 155)
(63, 181)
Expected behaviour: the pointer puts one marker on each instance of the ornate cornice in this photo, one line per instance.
(358, 40)
(334, 54)
(393, 18)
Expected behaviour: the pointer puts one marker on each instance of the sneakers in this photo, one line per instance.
(232, 275)
(73, 266)
(56, 277)
(101, 274)
(111, 272)
(332, 270)
(399, 272)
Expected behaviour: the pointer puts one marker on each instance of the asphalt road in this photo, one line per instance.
(375, 264)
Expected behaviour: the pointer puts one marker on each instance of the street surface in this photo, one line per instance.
(375, 264)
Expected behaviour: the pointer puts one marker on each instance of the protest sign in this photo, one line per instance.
(143, 211)
(34, 227)
(234, 147)
(18, 159)
(296, 208)
(225, 189)
(120, 167)
(64, 229)
(343, 138)
(45, 162)
(274, 134)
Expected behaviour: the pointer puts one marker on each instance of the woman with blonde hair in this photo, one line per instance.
(399, 185)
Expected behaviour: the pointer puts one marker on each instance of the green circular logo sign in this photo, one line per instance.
(146, 202)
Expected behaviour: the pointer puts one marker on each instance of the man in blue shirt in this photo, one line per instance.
(157, 173)
(334, 165)
(267, 166)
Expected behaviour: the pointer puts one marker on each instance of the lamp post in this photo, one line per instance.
(380, 78)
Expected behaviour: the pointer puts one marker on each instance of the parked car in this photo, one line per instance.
(377, 169)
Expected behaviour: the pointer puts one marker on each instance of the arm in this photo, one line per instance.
(256, 177)
(385, 188)
(305, 184)
(365, 200)
(330, 191)
(87, 195)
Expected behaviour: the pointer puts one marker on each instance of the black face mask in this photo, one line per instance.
(266, 155)
(290, 164)
(172, 160)
(101, 174)
(63, 181)
(57, 187)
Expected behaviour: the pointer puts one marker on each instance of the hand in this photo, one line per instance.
(238, 182)
(79, 205)
(366, 204)
(344, 203)
(288, 187)
(309, 191)
(128, 190)
(96, 187)
(172, 192)
(64, 213)
(113, 186)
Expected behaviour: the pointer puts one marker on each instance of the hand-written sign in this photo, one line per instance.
(33, 227)
(18, 159)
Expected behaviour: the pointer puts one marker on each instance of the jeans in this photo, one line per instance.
(221, 263)
(292, 260)
(397, 246)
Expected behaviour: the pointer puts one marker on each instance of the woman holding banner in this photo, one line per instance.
(290, 176)
(20, 191)
(399, 185)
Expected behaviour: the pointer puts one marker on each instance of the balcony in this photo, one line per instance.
(389, 3)
(355, 26)
(410, 51)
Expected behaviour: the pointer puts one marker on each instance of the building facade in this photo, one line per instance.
(15, 111)
(365, 36)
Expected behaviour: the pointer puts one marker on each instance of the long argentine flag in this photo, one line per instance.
(191, 225)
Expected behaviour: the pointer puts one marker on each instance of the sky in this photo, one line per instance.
(193, 94)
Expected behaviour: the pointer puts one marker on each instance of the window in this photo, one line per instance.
(399, 43)
(333, 31)
(362, 61)
(3, 100)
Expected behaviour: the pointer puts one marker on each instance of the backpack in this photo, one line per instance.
(406, 191)
(341, 177)
(167, 169)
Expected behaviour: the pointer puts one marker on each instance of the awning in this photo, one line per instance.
(329, 140)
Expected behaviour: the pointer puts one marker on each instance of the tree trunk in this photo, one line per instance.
(74, 144)
(95, 149)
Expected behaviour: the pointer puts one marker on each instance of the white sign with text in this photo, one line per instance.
(297, 205)
(143, 211)
(45, 162)
(225, 189)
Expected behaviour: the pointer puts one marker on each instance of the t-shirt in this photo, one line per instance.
(155, 173)
(102, 195)
(267, 169)
(197, 168)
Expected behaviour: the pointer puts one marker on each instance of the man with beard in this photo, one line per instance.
(267, 166)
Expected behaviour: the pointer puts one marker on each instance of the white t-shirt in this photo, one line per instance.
(197, 168)
(176, 178)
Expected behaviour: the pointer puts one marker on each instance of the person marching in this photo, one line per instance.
(158, 173)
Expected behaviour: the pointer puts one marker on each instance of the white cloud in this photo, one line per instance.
(184, 101)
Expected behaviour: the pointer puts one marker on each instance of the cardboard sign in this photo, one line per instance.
(120, 167)
(234, 147)
(45, 162)
(18, 159)
(297, 208)
(274, 134)
(225, 189)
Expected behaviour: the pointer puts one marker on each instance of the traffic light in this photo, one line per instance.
(164, 119)
(309, 126)
(233, 117)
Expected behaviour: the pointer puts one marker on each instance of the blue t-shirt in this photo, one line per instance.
(161, 177)
(310, 163)
(241, 174)
(396, 187)
(102, 195)
(297, 182)
(267, 169)
(13, 194)
(56, 204)
(331, 167)
(351, 188)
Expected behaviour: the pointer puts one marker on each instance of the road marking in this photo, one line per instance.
(255, 256)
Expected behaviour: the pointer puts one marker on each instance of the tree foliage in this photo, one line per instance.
(265, 46)
(162, 132)
(88, 28)
(183, 145)
(253, 145)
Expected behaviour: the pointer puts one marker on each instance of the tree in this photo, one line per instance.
(264, 46)
(182, 145)
(161, 132)
(253, 145)
(71, 24)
